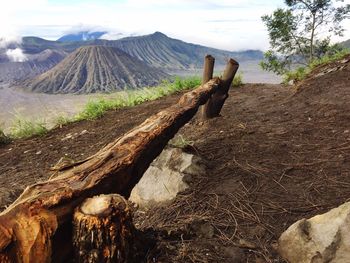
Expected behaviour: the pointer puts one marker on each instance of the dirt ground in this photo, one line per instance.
(276, 155)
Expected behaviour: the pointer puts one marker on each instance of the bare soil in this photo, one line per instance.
(276, 155)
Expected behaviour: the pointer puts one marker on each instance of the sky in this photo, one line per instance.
(225, 24)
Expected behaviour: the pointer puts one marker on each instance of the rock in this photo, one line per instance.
(323, 238)
(166, 177)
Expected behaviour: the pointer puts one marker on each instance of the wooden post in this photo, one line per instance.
(103, 230)
(208, 71)
(217, 100)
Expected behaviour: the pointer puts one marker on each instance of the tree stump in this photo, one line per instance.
(103, 230)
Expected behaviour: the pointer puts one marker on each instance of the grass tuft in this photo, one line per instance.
(62, 120)
(238, 80)
(23, 128)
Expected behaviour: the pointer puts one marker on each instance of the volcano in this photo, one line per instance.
(92, 69)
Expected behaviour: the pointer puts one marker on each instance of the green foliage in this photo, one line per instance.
(298, 33)
(328, 58)
(238, 80)
(301, 72)
(62, 120)
(95, 109)
(23, 128)
(295, 75)
(181, 142)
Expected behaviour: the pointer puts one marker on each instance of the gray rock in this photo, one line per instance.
(323, 238)
(166, 177)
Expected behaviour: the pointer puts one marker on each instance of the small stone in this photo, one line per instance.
(38, 152)
(26, 151)
(83, 132)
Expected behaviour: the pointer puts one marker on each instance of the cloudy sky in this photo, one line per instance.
(226, 24)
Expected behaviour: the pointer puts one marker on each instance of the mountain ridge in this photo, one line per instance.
(81, 36)
(92, 69)
(183, 55)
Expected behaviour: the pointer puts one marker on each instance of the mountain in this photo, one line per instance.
(161, 51)
(35, 64)
(33, 45)
(81, 36)
(155, 49)
(94, 69)
(346, 43)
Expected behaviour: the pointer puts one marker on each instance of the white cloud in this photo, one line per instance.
(16, 55)
(226, 24)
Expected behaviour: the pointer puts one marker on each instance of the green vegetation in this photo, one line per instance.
(23, 128)
(300, 73)
(96, 108)
(238, 80)
(62, 120)
(180, 142)
(300, 33)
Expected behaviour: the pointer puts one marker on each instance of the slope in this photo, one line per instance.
(35, 64)
(162, 51)
(275, 155)
(94, 69)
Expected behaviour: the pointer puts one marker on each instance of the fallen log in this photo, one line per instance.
(37, 226)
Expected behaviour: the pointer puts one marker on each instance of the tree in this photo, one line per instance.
(302, 31)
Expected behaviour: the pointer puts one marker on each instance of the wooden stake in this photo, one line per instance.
(103, 230)
(208, 71)
(216, 102)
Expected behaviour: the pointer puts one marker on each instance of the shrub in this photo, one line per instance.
(295, 75)
(238, 80)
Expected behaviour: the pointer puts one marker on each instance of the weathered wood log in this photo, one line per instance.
(39, 221)
(208, 71)
(103, 231)
(216, 102)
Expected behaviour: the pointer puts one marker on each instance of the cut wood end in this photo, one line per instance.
(101, 204)
(233, 62)
(210, 57)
